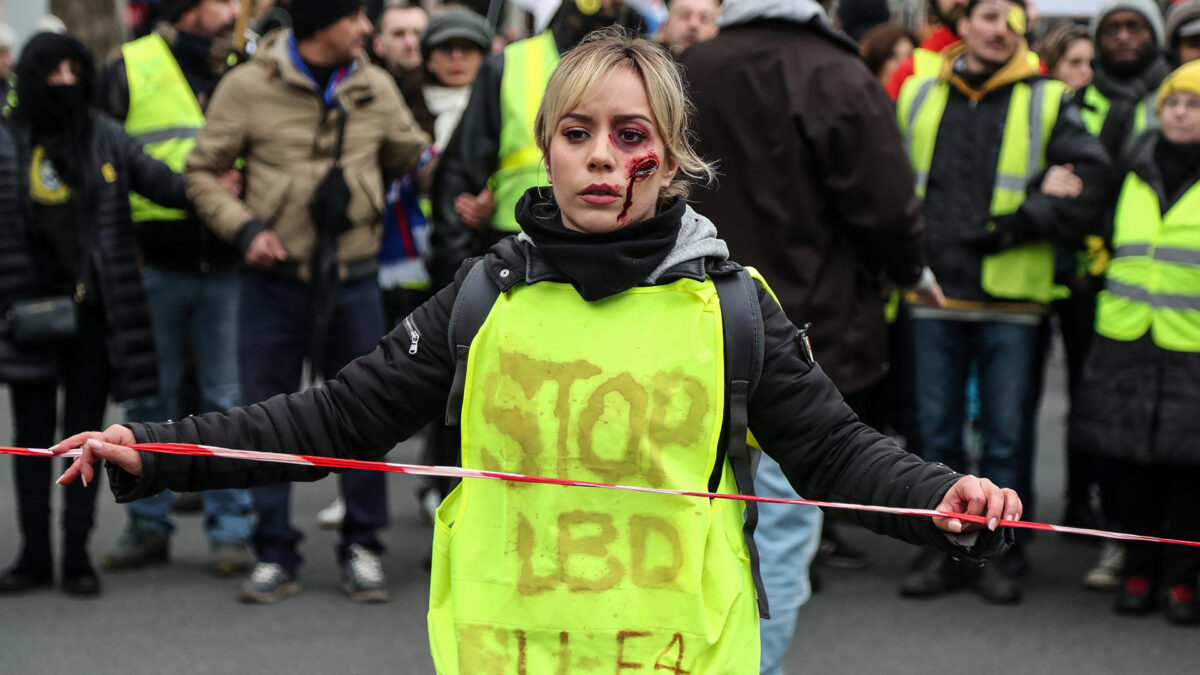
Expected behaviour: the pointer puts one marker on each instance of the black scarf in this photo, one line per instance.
(1125, 93)
(59, 116)
(1178, 166)
(599, 265)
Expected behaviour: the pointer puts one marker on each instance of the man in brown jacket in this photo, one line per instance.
(317, 127)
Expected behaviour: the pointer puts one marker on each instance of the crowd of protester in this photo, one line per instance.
(941, 202)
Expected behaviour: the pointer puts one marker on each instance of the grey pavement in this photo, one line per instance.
(176, 618)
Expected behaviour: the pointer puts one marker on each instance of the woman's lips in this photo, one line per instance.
(600, 193)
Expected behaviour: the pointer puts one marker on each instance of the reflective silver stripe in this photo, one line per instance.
(152, 137)
(1005, 181)
(1036, 136)
(922, 179)
(913, 111)
(1131, 250)
(1151, 105)
(1186, 256)
(1156, 300)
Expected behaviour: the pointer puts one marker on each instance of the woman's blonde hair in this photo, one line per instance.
(610, 49)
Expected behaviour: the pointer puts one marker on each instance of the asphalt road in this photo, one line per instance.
(176, 618)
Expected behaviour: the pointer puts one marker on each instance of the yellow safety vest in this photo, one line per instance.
(528, 65)
(164, 115)
(1096, 106)
(547, 579)
(928, 63)
(1022, 272)
(1153, 281)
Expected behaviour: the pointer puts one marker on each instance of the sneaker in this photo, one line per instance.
(1181, 605)
(268, 583)
(834, 552)
(331, 517)
(1105, 575)
(997, 586)
(136, 547)
(226, 559)
(1137, 596)
(933, 573)
(362, 575)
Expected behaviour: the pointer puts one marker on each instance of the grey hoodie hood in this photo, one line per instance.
(734, 12)
(697, 239)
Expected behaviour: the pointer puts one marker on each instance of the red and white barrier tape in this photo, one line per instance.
(456, 472)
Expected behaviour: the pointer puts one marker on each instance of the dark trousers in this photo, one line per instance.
(272, 345)
(1160, 501)
(85, 376)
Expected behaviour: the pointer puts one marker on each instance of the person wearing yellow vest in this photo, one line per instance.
(492, 158)
(1140, 388)
(158, 87)
(981, 136)
(599, 359)
(1116, 107)
(926, 59)
(1119, 103)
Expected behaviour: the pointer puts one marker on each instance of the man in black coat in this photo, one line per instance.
(815, 192)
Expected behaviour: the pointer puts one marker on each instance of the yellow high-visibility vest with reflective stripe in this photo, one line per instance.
(1022, 272)
(164, 115)
(528, 65)
(546, 579)
(1096, 106)
(1153, 279)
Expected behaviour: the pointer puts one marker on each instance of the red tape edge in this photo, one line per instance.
(456, 472)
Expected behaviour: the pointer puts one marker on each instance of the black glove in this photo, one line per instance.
(997, 234)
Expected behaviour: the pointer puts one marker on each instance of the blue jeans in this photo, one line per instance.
(1004, 355)
(194, 318)
(272, 346)
(787, 538)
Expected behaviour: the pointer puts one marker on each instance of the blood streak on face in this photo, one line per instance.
(639, 169)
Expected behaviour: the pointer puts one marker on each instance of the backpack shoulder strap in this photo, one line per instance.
(742, 326)
(471, 308)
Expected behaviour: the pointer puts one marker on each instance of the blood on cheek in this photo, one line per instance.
(637, 169)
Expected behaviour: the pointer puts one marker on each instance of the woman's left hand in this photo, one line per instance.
(110, 445)
(978, 497)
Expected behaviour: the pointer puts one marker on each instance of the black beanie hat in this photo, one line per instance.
(858, 17)
(41, 55)
(170, 10)
(310, 16)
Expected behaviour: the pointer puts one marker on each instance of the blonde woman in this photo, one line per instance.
(602, 360)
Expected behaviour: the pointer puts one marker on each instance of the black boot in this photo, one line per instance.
(28, 573)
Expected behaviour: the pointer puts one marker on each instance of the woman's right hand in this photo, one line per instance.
(111, 445)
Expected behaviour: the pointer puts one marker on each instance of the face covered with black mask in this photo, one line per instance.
(55, 85)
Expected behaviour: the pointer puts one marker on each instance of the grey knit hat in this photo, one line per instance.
(1147, 8)
(1183, 20)
(456, 22)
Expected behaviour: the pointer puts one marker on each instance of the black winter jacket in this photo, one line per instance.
(113, 166)
(796, 414)
(959, 193)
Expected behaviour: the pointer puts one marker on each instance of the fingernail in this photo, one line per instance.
(94, 444)
(1010, 517)
(84, 478)
(60, 479)
(956, 525)
(992, 524)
